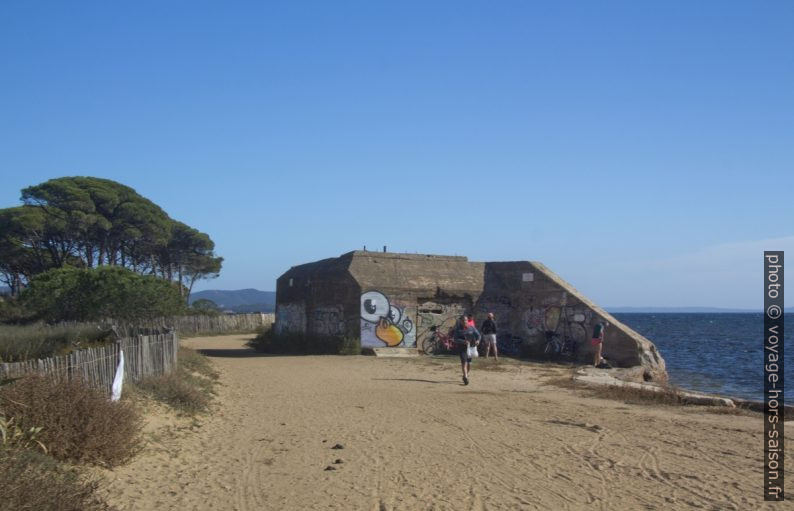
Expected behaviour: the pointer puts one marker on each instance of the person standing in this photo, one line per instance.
(465, 336)
(488, 330)
(598, 341)
(470, 320)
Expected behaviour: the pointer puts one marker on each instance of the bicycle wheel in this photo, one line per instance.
(429, 345)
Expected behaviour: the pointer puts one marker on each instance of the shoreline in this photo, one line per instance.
(600, 378)
(751, 403)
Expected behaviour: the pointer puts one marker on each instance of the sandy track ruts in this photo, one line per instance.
(415, 438)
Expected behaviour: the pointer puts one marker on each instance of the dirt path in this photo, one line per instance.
(415, 438)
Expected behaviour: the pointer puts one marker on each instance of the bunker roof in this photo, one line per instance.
(389, 271)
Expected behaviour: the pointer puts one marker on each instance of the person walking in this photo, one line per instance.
(598, 341)
(465, 337)
(488, 330)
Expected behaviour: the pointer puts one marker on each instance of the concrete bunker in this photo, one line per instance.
(394, 300)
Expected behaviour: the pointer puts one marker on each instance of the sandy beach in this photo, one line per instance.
(413, 437)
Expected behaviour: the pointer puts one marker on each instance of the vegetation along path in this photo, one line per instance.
(331, 432)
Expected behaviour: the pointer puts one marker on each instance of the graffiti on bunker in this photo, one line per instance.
(290, 318)
(565, 321)
(385, 322)
(328, 321)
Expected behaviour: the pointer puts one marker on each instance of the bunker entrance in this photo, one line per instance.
(433, 314)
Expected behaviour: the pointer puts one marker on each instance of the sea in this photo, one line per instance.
(718, 353)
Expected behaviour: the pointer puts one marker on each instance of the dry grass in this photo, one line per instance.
(668, 395)
(42, 341)
(189, 389)
(31, 481)
(77, 422)
(194, 362)
(184, 392)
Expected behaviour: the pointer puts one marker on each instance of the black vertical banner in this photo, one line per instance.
(773, 376)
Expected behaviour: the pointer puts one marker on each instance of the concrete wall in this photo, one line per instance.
(320, 298)
(393, 300)
(529, 301)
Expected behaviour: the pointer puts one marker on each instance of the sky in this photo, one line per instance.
(644, 151)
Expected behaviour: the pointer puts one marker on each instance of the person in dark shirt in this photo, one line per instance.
(465, 337)
(488, 330)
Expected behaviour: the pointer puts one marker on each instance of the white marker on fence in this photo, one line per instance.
(118, 379)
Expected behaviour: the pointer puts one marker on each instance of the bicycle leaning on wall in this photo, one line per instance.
(559, 347)
(437, 342)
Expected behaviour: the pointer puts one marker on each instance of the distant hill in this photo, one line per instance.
(5, 290)
(663, 310)
(243, 300)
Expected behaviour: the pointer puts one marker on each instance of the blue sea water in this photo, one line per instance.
(715, 353)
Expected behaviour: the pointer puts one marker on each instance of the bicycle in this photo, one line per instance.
(437, 343)
(556, 348)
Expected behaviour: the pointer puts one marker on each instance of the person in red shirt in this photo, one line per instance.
(598, 341)
(465, 337)
(470, 320)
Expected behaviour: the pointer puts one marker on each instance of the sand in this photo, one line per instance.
(413, 437)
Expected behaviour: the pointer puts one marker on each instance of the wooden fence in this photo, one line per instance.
(145, 355)
(220, 324)
(186, 325)
(150, 349)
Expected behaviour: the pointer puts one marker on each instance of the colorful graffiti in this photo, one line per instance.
(535, 320)
(290, 318)
(385, 322)
(528, 329)
(328, 321)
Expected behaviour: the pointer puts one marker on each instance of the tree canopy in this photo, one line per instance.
(205, 305)
(94, 294)
(89, 222)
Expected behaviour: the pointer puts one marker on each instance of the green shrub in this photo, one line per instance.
(41, 341)
(13, 436)
(349, 346)
(13, 311)
(298, 344)
(78, 423)
(71, 294)
(204, 306)
(31, 481)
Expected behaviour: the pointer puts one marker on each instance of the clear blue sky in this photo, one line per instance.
(643, 150)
